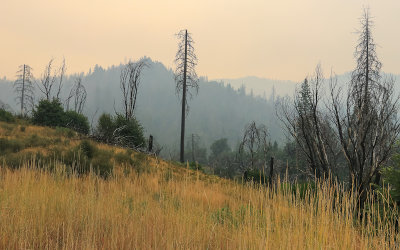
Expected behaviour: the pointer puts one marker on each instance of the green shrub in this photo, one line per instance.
(303, 188)
(255, 176)
(195, 166)
(6, 116)
(87, 149)
(123, 158)
(105, 128)
(16, 160)
(102, 165)
(77, 122)
(22, 128)
(391, 176)
(76, 161)
(132, 133)
(70, 133)
(127, 133)
(10, 146)
(49, 113)
(139, 163)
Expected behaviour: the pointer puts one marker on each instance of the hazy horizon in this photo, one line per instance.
(276, 40)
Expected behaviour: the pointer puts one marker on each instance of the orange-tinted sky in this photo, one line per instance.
(282, 39)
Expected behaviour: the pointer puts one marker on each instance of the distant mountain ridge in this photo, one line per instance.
(261, 86)
(221, 109)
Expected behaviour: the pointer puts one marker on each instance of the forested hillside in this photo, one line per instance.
(218, 111)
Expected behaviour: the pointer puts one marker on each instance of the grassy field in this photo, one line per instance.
(166, 206)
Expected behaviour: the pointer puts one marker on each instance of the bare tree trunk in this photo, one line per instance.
(150, 144)
(23, 91)
(271, 171)
(24, 88)
(182, 155)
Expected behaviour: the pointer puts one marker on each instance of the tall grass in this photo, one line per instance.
(169, 208)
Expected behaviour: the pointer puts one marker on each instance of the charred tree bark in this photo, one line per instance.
(182, 152)
(150, 149)
(185, 77)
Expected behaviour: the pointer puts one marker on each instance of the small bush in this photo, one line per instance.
(139, 163)
(10, 146)
(16, 160)
(6, 116)
(22, 128)
(123, 158)
(255, 176)
(105, 128)
(391, 176)
(49, 113)
(102, 165)
(52, 114)
(87, 149)
(195, 166)
(132, 133)
(77, 161)
(77, 122)
(127, 133)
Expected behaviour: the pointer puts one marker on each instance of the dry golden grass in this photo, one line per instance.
(170, 207)
(165, 210)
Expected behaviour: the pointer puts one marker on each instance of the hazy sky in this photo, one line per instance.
(279, 39)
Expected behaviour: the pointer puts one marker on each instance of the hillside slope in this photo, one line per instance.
(152, 204)
(217, 111)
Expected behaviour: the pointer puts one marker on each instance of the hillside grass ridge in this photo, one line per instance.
(148, 203)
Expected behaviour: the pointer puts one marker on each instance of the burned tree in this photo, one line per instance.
(51, 80)
(185, 77)
(24, 88)
(366, 118)
(78, 94)
(306, 123)
(254, 147)
(129, 83)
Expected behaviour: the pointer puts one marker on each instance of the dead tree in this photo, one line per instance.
(366, 117)
(185, 77)
(271, 171)
(254, 143)
(49, 80)
(129, 83)
(61, 73)
(24, 88)
(306, 123)
(78, 94)
(150, 147)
